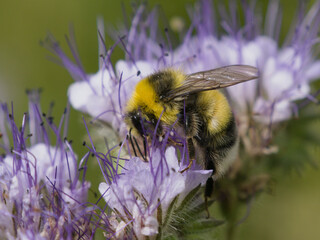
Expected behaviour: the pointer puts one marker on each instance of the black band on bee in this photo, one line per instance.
(226, 138)
(162, 82)
(188, 116)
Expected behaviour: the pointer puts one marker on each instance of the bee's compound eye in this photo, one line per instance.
(137, 123)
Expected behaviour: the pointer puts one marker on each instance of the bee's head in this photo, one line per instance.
(142, 123)
(146, 106)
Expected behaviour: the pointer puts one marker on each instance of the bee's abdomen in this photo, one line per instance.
(219, 150)
(219, 145)
(226, 138)
(207, 119)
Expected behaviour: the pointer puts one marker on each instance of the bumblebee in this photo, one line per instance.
(197, 110)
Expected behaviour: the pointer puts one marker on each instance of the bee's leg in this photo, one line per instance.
(209, 188)
(207, 193)
(191, 152)
(209, 164)
(189, 166)
(145, 147)
(175, 143)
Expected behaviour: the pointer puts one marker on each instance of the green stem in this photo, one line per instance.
(231, 212)
(231, 228)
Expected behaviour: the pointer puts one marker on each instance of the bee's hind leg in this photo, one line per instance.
(188, 167)
(207, 194)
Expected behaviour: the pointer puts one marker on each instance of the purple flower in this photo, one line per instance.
(99, 96)
(102, 95)
(41, 194)
(285, 70)
(139, 192)
(142, 187)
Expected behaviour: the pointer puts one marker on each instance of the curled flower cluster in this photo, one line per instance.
(41, 194)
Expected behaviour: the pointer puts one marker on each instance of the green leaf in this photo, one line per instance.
(171, 237)
(202, 207)
(188, 199)
(184, 219)
(203, 225)
(170, 212)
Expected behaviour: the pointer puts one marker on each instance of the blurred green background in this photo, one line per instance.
(291, 212)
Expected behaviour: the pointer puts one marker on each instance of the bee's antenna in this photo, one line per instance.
(145, 147)
(130, 137)
(135, 140)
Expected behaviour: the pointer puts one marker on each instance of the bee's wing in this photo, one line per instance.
(213, 79)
